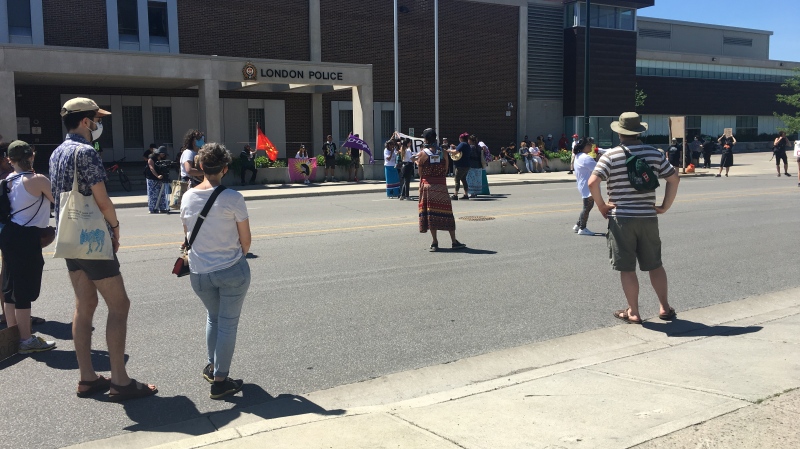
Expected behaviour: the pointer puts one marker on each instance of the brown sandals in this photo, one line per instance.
(133, 390)
(622, 314)
(99, 385)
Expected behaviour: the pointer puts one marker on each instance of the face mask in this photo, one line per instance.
(97, 131)
(200, 142)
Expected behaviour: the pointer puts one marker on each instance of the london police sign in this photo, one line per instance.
(250, 73)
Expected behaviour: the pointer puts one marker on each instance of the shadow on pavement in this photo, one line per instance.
(475, 251)
(65, 360)
(685, 328)
(161, 414)
(56, 329)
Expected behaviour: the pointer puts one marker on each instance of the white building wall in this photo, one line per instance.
(711, 125)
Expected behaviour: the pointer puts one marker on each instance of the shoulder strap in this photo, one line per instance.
(8, 189)
(204, 213)
(41, 201)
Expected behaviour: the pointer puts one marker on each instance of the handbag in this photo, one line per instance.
(181, 267)
(178, 188)
(82, 229)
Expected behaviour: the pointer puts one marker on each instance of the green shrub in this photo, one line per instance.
(261, 161)
(321, 160)
(343, 160)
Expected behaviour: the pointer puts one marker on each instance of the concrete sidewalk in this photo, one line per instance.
(747, 164)
(720, 376)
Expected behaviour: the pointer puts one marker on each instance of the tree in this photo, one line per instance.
(791, 122)
(640, 97)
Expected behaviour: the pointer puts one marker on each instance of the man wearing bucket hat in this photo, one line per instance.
(76, 157)
(633, 215)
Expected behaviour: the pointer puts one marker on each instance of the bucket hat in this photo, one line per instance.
(629, 124)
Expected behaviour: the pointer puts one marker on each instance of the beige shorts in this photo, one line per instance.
(631, 240)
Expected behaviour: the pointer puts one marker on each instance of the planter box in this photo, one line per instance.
(272, 175)
(557, 165)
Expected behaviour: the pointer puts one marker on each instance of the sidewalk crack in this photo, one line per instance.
(425, 430)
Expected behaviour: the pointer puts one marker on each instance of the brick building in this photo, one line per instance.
(508, 68)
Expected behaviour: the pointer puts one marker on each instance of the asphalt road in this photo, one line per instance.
(343, 290)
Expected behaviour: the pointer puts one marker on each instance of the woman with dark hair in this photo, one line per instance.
(192, 142)
(407, 171)
(219, 272)
(390, 169)
(435, 207)
(21, 245)
(157, 179)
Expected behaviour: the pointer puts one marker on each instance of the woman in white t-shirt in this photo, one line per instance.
(390, 169)
(219, 271)
(583, 167)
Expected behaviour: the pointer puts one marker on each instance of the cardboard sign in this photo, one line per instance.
(677, 128)
(728, 132)
(9, 342)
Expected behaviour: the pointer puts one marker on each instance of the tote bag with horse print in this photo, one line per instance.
(82, 230)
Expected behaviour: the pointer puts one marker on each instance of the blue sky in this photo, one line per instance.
(778, 16)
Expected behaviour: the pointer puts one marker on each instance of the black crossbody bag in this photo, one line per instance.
(181, 267)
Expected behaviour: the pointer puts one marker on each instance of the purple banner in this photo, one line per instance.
(355, 142)
(302, 169)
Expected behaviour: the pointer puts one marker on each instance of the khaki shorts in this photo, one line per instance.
(632, 239)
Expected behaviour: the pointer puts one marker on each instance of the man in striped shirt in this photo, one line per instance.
(633, 215)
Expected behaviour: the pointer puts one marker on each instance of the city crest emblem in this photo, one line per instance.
(249, 72)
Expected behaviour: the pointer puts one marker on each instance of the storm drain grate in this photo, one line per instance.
(476, 218)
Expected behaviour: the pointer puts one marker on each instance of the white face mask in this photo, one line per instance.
(97, 131)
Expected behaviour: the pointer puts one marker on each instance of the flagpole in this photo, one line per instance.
(396, 74)
(436, 64)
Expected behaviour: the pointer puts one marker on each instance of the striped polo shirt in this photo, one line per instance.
(629, 201)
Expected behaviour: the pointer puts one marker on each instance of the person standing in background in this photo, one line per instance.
(247, 158)
(329, 150)
(390, 154)
(727, 143)
(462, 154)
(779, 149)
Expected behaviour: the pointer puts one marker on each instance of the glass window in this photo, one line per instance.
(162, 125)
(254, 117)
(626, 19)
(19, 17)
(387, 125)
(606, 17)
(345, 124)
(157, 19)
(132, 128)
(746, 127)
(128, 20)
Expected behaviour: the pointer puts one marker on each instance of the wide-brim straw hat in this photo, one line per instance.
(629, 124)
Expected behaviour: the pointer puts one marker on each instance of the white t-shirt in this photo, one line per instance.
(574, 144)
(409, 154)
(392, 158)
(187, 156)
(300, 156)
(217, 244)
(584, 166)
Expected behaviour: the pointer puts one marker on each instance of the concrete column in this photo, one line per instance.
(144, 26)
(317, 126)
(522, 58)
(362, 116)
(112, 23)
(314, 30)
(172, 16)
(210, 119)
(8, 113)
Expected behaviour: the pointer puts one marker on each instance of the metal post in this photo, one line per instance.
(396, 75)
(436, 64)
(586, 70)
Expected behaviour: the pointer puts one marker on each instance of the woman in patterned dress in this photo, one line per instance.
(435, 208)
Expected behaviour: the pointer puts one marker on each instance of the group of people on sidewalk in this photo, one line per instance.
(219, 271)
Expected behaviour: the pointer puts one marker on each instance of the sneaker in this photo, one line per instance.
(576, 228)
(334, 180)
(787, 174)
(434, 247)
(226, 387)
(356, 180)
(208, 373)
(458, 245)
(465, 197)
(569, 172)
(454, 197)
(306, 182)
(35, 344)
(154, 212)
(585, 231)
(718, 176)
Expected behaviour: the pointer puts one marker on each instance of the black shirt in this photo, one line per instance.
(355, 154)
(475, 157)
(329, 149)
(466, 152)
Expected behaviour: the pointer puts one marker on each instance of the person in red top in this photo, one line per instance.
(562, 143)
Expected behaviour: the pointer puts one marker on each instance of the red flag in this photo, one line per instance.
(263, 143)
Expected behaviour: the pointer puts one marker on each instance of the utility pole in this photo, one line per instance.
(586, 70)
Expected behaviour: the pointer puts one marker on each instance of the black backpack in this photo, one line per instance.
(5, 201)
(640, 173)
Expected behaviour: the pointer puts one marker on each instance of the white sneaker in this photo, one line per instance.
(35, 344)
(575, 228)
(585, 231)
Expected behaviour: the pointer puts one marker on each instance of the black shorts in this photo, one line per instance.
(780, 156)
(22, 264)
(330, 161)
(95, 270)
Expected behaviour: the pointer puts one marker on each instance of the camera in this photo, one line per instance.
(164, 167)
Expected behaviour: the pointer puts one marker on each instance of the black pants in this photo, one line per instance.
(588, 204)
(406, 175)
(252, 168)
(461, 178)
(707, 159)
(22, 264)
(780, 156)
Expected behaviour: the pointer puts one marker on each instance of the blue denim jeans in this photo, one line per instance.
(529, 164)
(223, 294)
